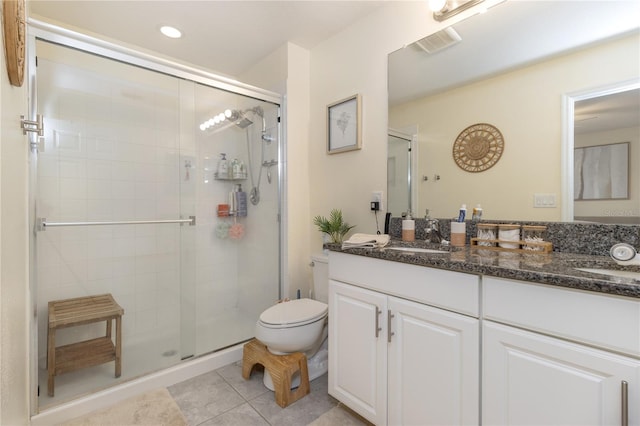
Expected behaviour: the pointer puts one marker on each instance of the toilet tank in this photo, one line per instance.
(320, 264)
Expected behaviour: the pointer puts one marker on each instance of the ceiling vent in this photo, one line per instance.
(439, 41)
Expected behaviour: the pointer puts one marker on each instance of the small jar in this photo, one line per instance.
(486, 231)
(509, 232)
(408, 229)
(534, 235)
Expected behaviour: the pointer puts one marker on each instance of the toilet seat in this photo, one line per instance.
(294, 313)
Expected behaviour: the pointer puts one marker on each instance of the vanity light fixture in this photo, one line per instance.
(445, 9)
(228, 116)
(170, 31)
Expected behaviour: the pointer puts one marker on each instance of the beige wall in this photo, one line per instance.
(14, 280)
(526, 106)
(287, 71)
(355, 61)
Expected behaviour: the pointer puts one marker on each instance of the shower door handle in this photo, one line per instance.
(42, 224)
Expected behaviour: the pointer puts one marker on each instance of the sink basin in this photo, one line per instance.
(612, 272)
(415, 250)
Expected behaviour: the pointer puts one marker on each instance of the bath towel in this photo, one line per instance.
(366, 240)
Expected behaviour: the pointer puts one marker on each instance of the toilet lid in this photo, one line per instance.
(294, 312)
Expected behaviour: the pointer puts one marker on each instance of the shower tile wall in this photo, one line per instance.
(110, 154)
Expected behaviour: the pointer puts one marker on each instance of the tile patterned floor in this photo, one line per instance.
(223, 397)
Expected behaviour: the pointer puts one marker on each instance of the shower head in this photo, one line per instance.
(238, 118)
(257, 110)
(243, 122)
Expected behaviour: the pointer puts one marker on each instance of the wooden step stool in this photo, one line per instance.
(281, 368)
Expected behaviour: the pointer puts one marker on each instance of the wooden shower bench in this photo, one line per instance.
(88, 353)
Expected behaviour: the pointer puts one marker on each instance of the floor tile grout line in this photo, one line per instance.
(234, 390)
(246, 401)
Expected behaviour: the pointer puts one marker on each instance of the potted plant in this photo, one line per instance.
(335, 227)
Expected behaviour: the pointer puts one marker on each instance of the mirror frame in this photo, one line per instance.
(568, 106)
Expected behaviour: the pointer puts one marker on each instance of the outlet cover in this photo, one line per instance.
(377, 196)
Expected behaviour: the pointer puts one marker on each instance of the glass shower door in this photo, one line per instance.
(111, 158)
(238, 255)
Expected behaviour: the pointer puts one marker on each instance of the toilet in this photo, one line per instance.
(300, 325)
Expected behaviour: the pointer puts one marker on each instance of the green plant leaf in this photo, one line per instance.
(335, 226)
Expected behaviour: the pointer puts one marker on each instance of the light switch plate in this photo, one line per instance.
(544, 200)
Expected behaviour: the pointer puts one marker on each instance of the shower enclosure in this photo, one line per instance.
(400, 159)
(126, 195)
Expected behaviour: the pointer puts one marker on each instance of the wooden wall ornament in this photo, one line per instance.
(14, 27)
(478, 147)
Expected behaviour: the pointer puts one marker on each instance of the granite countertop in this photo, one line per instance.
(553, 268)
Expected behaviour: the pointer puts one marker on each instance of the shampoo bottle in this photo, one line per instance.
(235, 169)
(241, 201)
(223, 167)
(462, 213)
(477, 213)
(233, 208)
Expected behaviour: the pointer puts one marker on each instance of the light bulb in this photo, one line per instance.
(203, 127)
(228, 113)
(170, 32)
(437, 5)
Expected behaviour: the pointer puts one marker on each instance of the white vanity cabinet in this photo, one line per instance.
(559, 356)
(358, 350)
(403, 341)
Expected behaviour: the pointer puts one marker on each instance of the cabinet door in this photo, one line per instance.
(358, 350)
(433, 366)
(531, 379)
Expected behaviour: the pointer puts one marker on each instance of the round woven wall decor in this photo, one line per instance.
(478, 147)
(13, 21)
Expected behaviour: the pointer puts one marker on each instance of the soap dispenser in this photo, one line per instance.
(408, 228)
(223, 167)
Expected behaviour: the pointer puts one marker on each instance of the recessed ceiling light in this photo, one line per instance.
(170, 32)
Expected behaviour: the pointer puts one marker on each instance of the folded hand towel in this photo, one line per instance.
(366, 240)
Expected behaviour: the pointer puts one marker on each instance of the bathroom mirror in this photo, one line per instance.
(512, 68)
(606, 154)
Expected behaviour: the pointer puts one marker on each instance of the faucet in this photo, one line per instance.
(433, 230)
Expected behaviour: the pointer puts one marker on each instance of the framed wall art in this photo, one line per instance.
(344, 125)
(601, 172)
